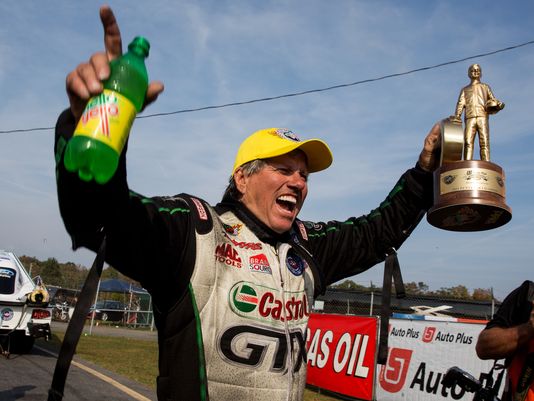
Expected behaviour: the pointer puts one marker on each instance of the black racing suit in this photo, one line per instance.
(160, 241)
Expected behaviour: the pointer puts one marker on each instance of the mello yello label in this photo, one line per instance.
(107, 117)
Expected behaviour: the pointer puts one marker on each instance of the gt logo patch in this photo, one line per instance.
(261, 348)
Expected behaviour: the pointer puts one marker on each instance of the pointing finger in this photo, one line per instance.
(112, 34)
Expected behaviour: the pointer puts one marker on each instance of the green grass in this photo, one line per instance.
(134, 359)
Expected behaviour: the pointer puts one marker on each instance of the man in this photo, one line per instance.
(478, 101)
(510, 335)
(232, 285)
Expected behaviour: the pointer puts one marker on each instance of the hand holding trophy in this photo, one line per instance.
(469, 195)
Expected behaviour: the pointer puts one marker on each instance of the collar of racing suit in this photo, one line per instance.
(264, 233)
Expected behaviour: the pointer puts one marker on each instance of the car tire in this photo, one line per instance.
(104, 316)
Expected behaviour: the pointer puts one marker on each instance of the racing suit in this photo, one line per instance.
(231, 297)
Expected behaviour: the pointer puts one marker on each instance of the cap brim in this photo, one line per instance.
(318, 154)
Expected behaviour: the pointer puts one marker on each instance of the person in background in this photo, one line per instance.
(510, 335)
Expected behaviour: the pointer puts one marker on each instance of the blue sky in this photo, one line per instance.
(216, 52)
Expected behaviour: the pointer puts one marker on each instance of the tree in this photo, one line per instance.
(109, 273)
(51, 272)
(413, 288)
(482, 294)
(349, 285)
(457, 292)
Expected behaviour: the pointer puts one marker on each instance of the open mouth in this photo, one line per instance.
(287, 202)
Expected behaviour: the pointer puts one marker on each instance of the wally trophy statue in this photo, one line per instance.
(469, 195)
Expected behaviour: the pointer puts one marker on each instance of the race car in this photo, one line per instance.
(24, 311)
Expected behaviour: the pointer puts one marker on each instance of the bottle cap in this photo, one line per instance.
(140, 45)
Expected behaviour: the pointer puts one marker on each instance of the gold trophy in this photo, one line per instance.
(469, 195)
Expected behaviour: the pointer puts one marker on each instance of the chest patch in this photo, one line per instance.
(295, 264)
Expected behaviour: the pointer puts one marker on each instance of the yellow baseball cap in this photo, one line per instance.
(272, 142)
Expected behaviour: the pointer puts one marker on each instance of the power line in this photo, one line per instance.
(306, 92)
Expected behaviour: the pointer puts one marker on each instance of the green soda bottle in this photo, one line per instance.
(103, 129)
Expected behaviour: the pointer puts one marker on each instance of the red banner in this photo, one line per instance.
(342, 354)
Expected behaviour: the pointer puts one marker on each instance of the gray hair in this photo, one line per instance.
(250, 168)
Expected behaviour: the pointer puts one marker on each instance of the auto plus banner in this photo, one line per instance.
(342, 354)
(420, 352)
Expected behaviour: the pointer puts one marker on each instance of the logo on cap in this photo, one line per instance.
(285, 133)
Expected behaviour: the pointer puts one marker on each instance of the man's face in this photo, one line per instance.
(475, 71)
(277, 192)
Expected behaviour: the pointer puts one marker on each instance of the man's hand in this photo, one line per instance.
(86, 79)
(430, 155)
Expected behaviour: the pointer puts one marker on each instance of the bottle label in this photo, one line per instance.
(108, 118)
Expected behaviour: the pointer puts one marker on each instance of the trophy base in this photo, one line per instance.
(469, 195)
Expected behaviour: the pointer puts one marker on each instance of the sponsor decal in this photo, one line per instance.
(348, 356)
(431, 381)
(260, 348)
(6, 314)
(404, 333)
(341, 354)
(266, 304)
(255, 246)
(202, 214)
(6, 273)
(393, 375)
(232, 230)
(285, 133)
(245, 298)
(428, 334)
(260, 264)
(225, 253)
(295, 264)
(302, 230)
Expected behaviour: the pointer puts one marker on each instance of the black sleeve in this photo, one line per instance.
(515, 309)
(346, 248)
(149, 240)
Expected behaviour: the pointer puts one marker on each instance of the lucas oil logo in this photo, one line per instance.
(266, 304)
